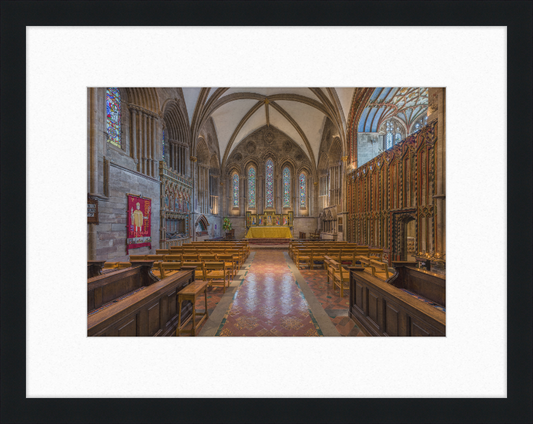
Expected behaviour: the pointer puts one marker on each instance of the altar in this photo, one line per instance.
(273, 232)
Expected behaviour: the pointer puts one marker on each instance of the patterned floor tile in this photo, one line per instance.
(269, 302)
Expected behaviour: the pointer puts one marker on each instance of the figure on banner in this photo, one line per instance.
(269, 220)
(137, 219)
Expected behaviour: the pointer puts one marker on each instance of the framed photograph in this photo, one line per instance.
(481, 371)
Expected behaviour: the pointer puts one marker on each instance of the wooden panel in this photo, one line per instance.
(391, 319)
(373, 307)
(141, 313)
(417, 330)
(129, 328)
(389, 311)
(359, 290)
(153, 319)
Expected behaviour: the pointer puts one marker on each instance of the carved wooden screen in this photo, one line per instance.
(391, 189)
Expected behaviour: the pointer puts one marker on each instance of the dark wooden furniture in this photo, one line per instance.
(107, 287)
(152, 311)
(191, 292)
(94, 268)
(381, 308)
(230, 235)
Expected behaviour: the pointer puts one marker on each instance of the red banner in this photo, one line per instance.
(139, 223)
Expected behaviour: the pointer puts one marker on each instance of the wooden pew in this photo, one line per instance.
(383, 308)
(110, 286)
(151, 311)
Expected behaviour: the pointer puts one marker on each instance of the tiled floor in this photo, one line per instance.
(335, 306)
(269, 302)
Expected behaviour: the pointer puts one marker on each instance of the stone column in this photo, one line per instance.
(242, 192)
(93, 166)
(154, 149)
(144, 144)
(134, 153)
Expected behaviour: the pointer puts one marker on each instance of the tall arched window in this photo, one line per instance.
(251, 187)
(303, 186)
(235, 185)
(269, 184)
(398, 137)
(286, 187)
(390, 128)
(113, 116)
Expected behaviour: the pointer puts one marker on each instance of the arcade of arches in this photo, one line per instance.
(334, 198)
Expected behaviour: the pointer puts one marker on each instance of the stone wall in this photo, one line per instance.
(238, 223)
(111, 231)
(306, 225)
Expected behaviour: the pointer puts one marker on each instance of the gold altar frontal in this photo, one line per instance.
(269, 232)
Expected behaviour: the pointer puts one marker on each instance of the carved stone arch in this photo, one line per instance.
(203, 221)
(270, 154)
(288, 162)
(214, 163)
(323, 163)
(335, 153)
(232, 169)
(202, 151)
(176, 124)
(305, 170)
(251, 162)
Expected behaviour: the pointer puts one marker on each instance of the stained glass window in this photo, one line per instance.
(302, 190)
(163, 144)
(269, 184)
(251, 187)
(286, 188)
(235, 184)
(389, 134)
(398, 138)
(113, 116)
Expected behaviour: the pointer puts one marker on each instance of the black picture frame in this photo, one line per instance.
(516, 16)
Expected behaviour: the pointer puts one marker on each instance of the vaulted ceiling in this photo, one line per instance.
(298, 112)
(407, 104)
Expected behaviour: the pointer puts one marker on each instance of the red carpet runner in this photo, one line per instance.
(269, 302)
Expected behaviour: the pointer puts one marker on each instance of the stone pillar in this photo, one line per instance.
(242, 192)
(154, 149)
(93, 166)
(143, 141)
(134, 142)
